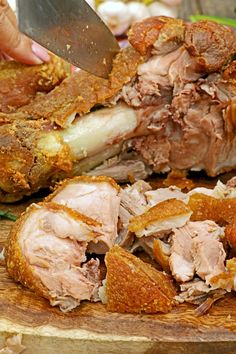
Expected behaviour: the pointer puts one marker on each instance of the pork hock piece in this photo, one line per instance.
(46, 253)
(169, 104)
(53, 245)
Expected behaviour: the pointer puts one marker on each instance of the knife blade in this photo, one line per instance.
(71, 30)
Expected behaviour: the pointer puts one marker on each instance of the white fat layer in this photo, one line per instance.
(164, 225)
(201, 190)
(91, 133)
(161, 194)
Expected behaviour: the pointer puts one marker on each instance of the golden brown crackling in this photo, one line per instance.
(20, 83)
(81, 91)
(83, 179)
(161, 211)
(159, 256)
(25, 168)
(230, 234)
(205, 207)
(144, 34)
(212, 44)
(16, 264)
(134, 286)
(226, 279)
(15, 162)
(18, 155)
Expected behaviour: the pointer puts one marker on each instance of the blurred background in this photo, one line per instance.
(120, 14)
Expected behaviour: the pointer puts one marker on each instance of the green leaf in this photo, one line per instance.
(7, 215)
(222, 20)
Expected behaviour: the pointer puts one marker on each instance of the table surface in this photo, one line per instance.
(223, 8)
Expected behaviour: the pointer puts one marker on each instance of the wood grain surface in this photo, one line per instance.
(91, 329)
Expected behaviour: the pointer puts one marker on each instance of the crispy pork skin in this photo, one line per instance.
(227, 279)
(96, 197)
(175, 85)
(20, 83)
(81, 92)
(46, 253)
(163, 216)
(134, 286)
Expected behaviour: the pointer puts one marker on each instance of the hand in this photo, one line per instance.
(14, 44)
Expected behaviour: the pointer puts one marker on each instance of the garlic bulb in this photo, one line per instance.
(138, 11)
(116, 16)
(159, 9)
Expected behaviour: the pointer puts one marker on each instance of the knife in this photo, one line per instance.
(71, 30)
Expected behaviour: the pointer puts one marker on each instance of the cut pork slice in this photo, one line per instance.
(132, 202)
(196, 248)
(46, 252)
(133, 197)
(96, 197)
(164, 216)
(181, 260)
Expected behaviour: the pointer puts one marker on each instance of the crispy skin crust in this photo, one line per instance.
(230, 235)
(144, 34)
(20, 83)
(80, 92)
(159, 256)
(16, 264)
(226, 280)
(161, 211)
(205, 207)
(211, 43)
(134, 286)
(25, 167)
(16, 158)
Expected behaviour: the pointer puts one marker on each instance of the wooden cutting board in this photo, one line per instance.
(91, 329)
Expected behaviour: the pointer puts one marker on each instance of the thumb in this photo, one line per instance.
(17, 45)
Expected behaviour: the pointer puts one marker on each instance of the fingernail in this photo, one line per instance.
(40, 52)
